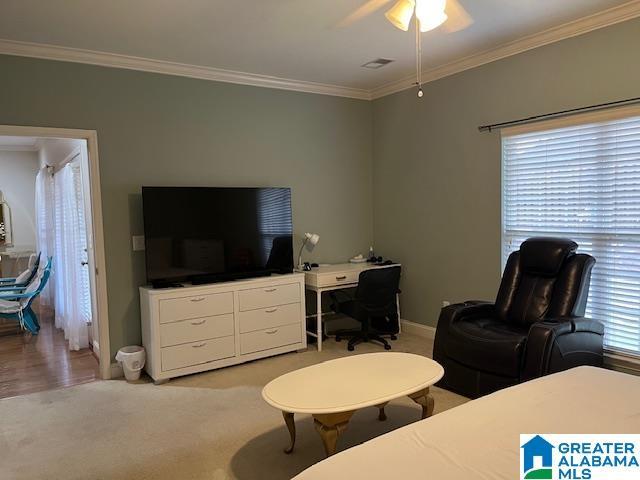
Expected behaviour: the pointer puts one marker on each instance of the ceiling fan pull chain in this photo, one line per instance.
(418, 59)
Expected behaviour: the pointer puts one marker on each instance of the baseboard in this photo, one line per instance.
(418, 329)
(116, 371)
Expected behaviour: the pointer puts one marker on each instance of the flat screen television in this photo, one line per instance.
(206, 234)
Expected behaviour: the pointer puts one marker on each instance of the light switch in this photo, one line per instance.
(138, 243)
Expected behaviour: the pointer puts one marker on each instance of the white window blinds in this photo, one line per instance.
(580, 178)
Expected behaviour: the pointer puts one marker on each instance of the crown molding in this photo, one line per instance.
(621, 13)
(114, 60)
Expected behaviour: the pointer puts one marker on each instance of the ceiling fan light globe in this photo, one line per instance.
(431, 13)
(401, 13)
(432, 22)
(430, 7)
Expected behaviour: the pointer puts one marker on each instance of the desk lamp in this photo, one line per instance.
(310, 241)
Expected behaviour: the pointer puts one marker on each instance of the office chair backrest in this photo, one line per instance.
(377, 290)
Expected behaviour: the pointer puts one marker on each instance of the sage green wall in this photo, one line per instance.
(164, 130)
(437, 204)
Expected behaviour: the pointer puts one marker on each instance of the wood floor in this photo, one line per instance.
(42, 362)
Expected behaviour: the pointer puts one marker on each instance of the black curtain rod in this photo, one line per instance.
(563, 113)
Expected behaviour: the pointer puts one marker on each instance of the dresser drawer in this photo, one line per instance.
(338, 278)
(270, 338)
(196, 306)
(195, 353)
(269, 296)
(195, 329)
(269, 317)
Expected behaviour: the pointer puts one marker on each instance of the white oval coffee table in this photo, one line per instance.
(333, 390)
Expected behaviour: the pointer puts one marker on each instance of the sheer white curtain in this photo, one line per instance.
(72, 294)
(44, 226)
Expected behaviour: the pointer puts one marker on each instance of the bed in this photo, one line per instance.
(480, 439)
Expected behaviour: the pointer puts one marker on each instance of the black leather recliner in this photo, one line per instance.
(534, 328)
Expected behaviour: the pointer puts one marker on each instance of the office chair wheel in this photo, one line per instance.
(338, 338)
(387, 347)
(393, 337)
(351, 348)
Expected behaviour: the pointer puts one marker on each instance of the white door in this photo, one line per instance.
(90, 258)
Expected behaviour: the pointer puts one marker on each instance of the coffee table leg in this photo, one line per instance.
(425, 400)
(330, 426)
(291, 425)
(381, 415)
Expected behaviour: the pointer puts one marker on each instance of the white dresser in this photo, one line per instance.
(203, 327)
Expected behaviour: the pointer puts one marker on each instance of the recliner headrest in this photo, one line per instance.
(545, 255)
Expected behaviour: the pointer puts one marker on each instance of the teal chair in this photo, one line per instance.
(27, 276)
(16, 305)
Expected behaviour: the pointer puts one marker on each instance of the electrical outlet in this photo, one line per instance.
(138, 243)
(446, 303)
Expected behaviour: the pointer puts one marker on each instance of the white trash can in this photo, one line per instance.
(132, 359)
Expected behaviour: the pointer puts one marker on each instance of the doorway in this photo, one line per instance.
(67, 223)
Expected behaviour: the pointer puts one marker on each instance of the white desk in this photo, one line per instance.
(326, 278)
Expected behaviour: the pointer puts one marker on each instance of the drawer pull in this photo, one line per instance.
(272, 310)
(343, 277)
(199, 323)
(271, 332)
(199, 299)
(200, 345)
(269, 290)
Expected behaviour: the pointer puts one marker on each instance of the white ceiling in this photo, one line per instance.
(292, 39)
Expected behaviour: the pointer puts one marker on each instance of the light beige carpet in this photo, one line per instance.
(213, 425)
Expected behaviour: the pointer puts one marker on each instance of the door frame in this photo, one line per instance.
(102, 308)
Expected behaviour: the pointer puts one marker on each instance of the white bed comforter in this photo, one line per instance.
(480, 439)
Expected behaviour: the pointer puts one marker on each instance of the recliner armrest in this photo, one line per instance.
(564, 325)
(454, 313)
(469, 309)
(555, 326)
(582, 324)
(543, 336)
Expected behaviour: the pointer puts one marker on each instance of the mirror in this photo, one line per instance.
(5, 223)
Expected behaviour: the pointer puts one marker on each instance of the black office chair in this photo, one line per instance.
(374, 305)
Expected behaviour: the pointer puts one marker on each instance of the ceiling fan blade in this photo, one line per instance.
(367, 9)
(459, 19)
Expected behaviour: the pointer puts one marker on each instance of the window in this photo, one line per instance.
(579, 177)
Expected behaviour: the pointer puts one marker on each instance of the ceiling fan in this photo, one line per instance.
(429, 14)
